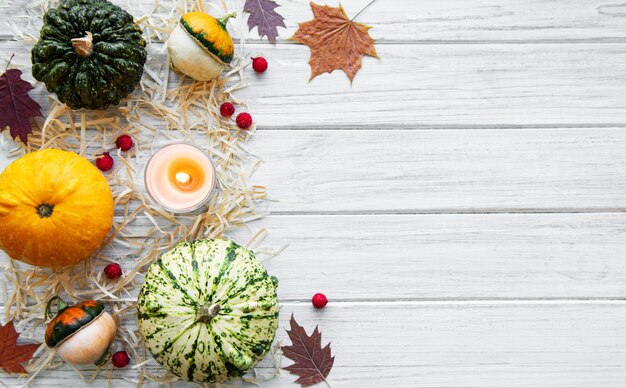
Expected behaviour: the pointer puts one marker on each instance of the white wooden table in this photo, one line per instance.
(462, 204)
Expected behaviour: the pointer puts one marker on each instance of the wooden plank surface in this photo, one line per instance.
(330, 171)
(432, 86)
(442, 171)
(435, 20)
(441, 257)
(431, 257)
(444, 344)
(387, 191)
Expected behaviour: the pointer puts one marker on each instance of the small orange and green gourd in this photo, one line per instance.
(200, 46)
(81, 333)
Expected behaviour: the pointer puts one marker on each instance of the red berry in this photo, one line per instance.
(120, 359)
(227, 109)
(104, 162)
(259, 64)
(113, 271)
(319, 301)
(244, 120)
(124, 142)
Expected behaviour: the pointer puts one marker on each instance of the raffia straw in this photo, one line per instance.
(141, 232)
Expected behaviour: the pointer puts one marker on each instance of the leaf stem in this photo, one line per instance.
(363, 9)
(9, 62)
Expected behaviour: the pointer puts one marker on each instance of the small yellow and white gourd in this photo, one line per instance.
(200, 46)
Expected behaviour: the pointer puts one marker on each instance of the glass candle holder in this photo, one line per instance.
(180, 177)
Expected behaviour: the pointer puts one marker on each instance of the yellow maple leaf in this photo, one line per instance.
(336, 42)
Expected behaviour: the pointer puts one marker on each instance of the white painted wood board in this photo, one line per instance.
(452, 344)
(462, 203)
(444, 171)
(438, 21)
(440, 85)
(441, 171)
(442, 256)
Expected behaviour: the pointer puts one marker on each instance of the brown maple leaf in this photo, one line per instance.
(16, 106)
(12, 354)
(311, 362)
(336, 42)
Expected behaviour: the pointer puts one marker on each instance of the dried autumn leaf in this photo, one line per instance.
(16, 106)
(263, 15)
(12, 354)
(336, 42)
(311, 362)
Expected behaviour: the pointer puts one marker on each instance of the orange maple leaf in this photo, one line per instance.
(12, 354)
(336, 42)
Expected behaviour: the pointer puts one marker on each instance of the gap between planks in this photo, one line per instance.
(474, 301)
(443, 127)
(426, 42)
(410, 212)
(375, 213)
(460, 302)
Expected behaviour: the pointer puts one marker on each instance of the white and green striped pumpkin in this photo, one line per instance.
(208, 310)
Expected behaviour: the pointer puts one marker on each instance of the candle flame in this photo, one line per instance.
(183, 178)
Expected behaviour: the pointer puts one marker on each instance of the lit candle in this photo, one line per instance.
(180, 177)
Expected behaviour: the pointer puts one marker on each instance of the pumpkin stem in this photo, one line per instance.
(84, 45)
(224, 19)
(103, 359)
(44, 210)
(61, 305)
(207, 312)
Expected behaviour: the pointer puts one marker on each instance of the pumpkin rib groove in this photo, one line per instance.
(192, 366)
(226, 264)
(195, 267)
(220, 349)
(171, 342)
(174, 280)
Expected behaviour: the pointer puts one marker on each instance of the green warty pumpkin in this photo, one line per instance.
(90, 53)
(208, 310)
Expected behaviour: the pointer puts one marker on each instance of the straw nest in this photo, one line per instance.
(167, 107)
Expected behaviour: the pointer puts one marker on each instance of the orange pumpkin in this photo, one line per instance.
(56, 208)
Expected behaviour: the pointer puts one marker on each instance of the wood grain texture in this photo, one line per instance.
(433, 86)
(431, 257)
(444, 170)
(440, 257)
(441, 344)
(462, 204)
(434, 20)
(329, 171)
(471, 21)
(447, 85)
